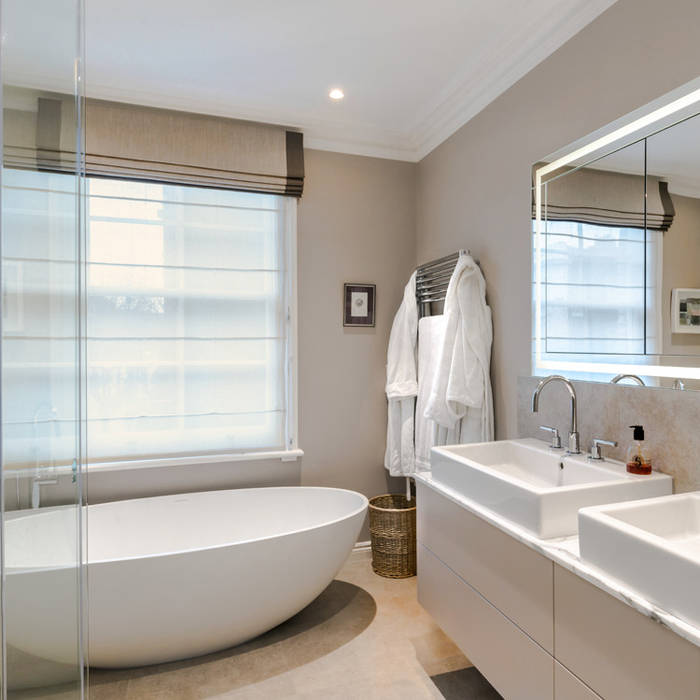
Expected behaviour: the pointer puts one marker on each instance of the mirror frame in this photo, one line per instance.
(656, 116)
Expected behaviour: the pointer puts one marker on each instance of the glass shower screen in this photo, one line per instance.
(40, 379)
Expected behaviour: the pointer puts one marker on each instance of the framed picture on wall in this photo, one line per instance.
(359, 303)
(685, 311)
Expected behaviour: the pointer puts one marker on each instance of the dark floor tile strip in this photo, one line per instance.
(465, 684)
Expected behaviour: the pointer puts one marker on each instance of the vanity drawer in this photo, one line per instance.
(515, 665)
(619, 652)
(568, 687)
(513, 577)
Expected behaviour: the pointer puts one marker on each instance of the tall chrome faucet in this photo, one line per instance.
(574, 448)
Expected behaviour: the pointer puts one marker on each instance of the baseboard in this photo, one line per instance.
(362, 546)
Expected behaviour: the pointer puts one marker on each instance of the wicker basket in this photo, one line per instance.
(392, 525)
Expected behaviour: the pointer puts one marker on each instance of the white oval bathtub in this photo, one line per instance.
(179, 576)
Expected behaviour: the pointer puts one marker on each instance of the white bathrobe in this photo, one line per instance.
(462, 383)
(431, 333)
(402, 385)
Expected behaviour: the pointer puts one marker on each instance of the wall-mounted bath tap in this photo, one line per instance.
(37, 483)
(574, 447)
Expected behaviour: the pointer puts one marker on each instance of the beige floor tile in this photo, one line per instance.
(365, 637)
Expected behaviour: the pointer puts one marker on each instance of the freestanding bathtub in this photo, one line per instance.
(179, 576)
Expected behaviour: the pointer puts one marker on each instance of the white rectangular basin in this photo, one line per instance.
(536, 487)
(652, 546)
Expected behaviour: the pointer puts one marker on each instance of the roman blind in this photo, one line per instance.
(601, 289)
(134, 142)
(39, 131)
(189, 330)
(605, 198)
(189, 320)
(190, 279)
(144, 143)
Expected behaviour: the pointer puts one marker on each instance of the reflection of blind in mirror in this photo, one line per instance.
(594, 289)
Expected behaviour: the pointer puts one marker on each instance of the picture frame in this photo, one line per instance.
(685, 310)
(359, 304)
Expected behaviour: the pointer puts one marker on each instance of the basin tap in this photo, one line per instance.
(596, 454)
(574, 448)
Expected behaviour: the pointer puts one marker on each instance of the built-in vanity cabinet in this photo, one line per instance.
(512, 661)
(619, 652)
(513, 578)
(533, 628)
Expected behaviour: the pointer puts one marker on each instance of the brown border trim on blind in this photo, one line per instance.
(295, 163)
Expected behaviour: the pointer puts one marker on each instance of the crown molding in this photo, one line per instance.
(464, 99)
(684, 186)
(324, 135)
(366, 148)
(469, 92)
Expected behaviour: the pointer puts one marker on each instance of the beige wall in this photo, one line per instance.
(681, 268)
(473, 190)
(356, 224)
(607, 410)
(372, 220)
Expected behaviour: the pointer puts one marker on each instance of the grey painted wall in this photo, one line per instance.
(473, 190)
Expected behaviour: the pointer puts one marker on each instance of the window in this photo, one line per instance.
(190, 318)
(601, 292)
(189, 311)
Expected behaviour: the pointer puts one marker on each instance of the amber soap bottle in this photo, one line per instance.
(638, 457)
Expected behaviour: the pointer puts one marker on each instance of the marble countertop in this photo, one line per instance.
(564, 551)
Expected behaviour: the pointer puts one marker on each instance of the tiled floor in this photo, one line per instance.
(365, 637)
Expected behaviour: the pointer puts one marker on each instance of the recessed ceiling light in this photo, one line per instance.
(336, 94)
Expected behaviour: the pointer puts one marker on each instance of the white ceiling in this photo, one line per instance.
(413, 71)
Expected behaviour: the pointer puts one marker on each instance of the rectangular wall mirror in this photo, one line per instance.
(616, 250)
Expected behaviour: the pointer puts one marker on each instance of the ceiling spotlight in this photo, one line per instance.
(336, 94)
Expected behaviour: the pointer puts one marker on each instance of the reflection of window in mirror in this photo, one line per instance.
(617, 252)
(594, 292)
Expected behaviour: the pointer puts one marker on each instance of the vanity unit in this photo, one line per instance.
(535, 619)
(558, 574)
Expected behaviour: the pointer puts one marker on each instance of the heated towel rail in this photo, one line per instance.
(432, 280)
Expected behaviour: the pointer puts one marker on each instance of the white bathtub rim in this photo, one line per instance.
(193, 550)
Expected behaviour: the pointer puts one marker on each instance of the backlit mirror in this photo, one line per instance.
(616, 250)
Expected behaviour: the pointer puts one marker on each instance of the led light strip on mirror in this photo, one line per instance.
(659, 114)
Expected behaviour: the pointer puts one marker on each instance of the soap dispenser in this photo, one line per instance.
(638, 457)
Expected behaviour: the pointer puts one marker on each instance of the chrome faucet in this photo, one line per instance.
(634, 377)
(596, 454)
(556, 440)
(574, 448)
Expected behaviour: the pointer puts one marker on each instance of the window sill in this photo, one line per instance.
(282, 455)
